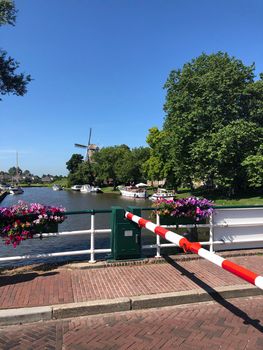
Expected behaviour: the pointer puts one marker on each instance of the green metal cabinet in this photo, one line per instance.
(125, 235)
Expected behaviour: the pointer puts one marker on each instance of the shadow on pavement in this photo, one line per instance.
(215, 295)
(14, 279)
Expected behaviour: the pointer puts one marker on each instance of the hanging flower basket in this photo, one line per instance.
(22, 221)
(183, 211)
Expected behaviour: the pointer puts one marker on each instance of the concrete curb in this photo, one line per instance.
(43, 313)
(25, 315)
(91, 308)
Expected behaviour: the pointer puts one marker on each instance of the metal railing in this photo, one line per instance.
(92, 232)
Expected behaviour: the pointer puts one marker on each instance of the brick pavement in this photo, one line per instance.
(234, 325)
(64, 285)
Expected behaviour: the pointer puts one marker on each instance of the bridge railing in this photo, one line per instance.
(229, 228)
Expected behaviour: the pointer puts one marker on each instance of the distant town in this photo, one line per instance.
(16, 175)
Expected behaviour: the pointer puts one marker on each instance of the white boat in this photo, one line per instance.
(16, 190)
(57, 188)
(85, 189)
(162, 193)
(95, 189)
(76, 187)
(90, 189)
(133, 192)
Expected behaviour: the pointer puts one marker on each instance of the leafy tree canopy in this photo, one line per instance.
(203, 98)
(7, 12)
(11, 82)
(74, 162)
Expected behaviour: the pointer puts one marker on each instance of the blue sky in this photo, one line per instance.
(102, 64)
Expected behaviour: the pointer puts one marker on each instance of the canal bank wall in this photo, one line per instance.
(3, 195)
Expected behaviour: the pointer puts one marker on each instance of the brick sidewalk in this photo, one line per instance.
(64, 285)
(233, 325)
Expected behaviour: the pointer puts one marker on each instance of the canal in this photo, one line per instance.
(71, 201)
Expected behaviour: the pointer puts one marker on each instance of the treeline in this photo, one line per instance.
(111, 165)
(212, 133)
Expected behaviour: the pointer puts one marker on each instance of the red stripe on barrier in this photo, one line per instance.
(184, 243)
(142, 222)
(160, 231)
(129, 215)
(194, 247)
(239, 271)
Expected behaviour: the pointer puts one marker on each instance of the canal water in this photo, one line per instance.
(71, 201)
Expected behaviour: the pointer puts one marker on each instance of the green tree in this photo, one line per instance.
(253, 165)
(10, 81)
(14, 170)
(84, 174)
(74, 162)
(223, 154)
(139, 157)
(160, 165)
(7, 12)
(111, 163)
(203, 97)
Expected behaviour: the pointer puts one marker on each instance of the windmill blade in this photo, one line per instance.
(89, 136)
(80, 146)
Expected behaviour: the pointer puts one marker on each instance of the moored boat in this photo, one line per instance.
(16, 190)
(85, 188)
(133, 192)
(76, 187)
(162, 193)
(57, 188)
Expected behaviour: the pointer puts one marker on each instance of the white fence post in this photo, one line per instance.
(158, 239)
(211, 233)
(92, 238)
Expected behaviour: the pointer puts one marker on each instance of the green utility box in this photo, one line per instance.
(125, 235)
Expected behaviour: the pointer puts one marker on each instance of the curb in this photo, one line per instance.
(61, 311)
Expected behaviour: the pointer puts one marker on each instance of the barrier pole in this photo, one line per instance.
(196, 248)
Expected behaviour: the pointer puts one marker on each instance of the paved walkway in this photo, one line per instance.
(67, 285)
(230, 325)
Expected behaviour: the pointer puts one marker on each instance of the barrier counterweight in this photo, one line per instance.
(196, 248)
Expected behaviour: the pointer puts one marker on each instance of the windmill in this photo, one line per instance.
(90, 148)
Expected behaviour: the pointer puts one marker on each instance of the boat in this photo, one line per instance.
(95, 189)
(133, 192)
(76, 187)
(162, 193)
(16, 190)
(90, 189)
(57, 188)
(85, 189)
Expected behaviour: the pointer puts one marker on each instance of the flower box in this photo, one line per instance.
(49, 227)
(24, 220)
(173, 220)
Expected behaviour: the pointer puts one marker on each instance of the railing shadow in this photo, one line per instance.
(216, 296)
(20, 278)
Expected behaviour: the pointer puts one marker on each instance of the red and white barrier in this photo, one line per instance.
(196, 248)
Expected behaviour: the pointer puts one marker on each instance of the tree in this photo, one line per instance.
(224, 152)
(160, 164)
(253, 165)
(139, 157)
(14, 170)
(111, 163)
(84, 174)
(10, 80)
(7, 12)
(205, 96)
(74, 162)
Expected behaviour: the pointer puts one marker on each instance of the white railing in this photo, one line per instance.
(227, 230)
